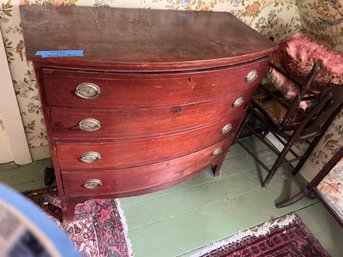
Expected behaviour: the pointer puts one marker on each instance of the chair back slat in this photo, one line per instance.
(330, 103)
(300, 97)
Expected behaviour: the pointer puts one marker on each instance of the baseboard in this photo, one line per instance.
(40, 152)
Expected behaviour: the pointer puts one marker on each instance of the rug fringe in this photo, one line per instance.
(258, 231)
(126, 229)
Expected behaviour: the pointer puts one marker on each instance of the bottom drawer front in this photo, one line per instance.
(139, 180)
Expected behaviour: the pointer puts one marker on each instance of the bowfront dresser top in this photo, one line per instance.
(153, 98)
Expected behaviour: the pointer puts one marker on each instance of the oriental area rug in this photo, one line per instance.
(286, 237)
(99, 226)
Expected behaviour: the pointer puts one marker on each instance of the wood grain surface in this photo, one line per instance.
(119, 123)
(138, 152)
(149, 90)
(164, 39)
(132, 181)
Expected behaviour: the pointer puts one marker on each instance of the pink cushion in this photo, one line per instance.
(299, 54)
(286, 87)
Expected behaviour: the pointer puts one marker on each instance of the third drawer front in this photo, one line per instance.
(131, 153)
(143, 179)
(67, 123)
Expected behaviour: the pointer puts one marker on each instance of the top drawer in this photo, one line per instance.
(138, 90)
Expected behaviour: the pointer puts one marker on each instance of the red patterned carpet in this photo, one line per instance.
(98, 229)
(286, 237)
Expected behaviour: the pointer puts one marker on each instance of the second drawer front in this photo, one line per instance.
(131, 153)
(141, 122)
(138, 180)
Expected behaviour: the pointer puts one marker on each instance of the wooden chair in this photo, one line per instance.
(276, 115)
(299, 102)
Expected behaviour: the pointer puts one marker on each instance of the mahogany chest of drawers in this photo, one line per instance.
(153, 98)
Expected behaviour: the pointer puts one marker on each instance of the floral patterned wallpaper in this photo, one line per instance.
(323, 20)
(273, 18)
(331, 141)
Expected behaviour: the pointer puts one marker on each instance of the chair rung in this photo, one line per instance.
(269, 145)
(281, 141)
(270, 124)
(307, 137)
(253, 155)
(293, 160)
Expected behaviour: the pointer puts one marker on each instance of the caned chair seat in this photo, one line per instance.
(276, 112)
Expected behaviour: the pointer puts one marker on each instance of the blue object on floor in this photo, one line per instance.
(26, 231)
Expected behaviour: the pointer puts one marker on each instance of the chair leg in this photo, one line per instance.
(306, 154)
(277, 163)
(271, 173)
(239, 131)
(293, 199)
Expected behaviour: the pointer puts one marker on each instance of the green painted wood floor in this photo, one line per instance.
(175, 221)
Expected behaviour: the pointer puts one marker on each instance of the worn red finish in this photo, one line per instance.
(123, 90)
(168, 82)
(124, 182)
(123, 153)
(147, 121)
(145, 40)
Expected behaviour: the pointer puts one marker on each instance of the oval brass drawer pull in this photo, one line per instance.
(92, 183)
(90, 157)
(238, 102)
(217, 151)
(87, 90)
(89, 124)
(251, 76)
(226, 128)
